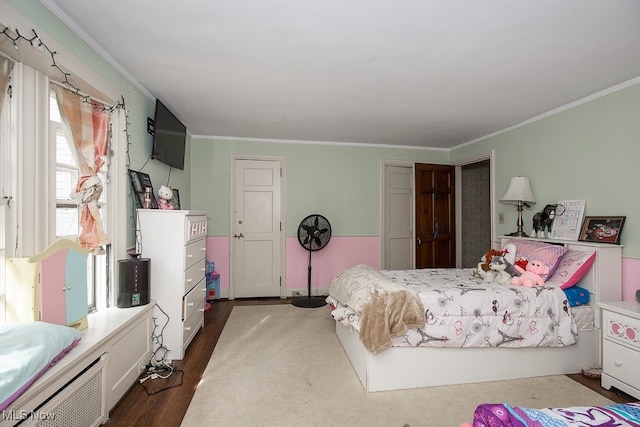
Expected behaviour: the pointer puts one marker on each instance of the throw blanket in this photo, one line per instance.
(387, 309)
(503, 415)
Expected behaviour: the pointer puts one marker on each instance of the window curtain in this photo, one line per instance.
(89, 126)
(6, 65)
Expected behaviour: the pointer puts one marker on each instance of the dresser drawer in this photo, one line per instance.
(622, 329)
(195, 227)
(194, 252)
(194, 301)
(193, 276)
(191, 327)
(621, 363)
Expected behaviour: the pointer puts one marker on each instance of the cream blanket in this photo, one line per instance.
(386, 308)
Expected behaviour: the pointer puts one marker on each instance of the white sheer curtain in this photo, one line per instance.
(89, 126)
(6, 65)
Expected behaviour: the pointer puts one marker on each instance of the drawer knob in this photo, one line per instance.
(190, 304)
(617, 363)
(189, 280)
(188, 328)
(190, 256)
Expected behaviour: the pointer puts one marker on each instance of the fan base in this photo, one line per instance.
(308, 302)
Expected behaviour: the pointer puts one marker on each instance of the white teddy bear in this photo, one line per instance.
(166, 194)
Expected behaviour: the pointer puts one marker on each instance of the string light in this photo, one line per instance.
(17, 37)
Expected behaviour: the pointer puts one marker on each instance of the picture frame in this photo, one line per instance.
(566, 226)
(139, 182)
(602, 229)
(175, 200)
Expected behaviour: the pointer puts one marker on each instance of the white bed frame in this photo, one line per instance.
(412, 367)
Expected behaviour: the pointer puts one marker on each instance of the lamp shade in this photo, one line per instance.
(519, 191)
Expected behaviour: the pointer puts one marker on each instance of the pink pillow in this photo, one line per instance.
(571, 268)
(533, 250)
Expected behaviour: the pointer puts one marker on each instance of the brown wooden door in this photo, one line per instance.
(435, 216)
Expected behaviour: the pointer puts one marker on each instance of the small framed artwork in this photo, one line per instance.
(175, 200)
(602, 229)
(140, 181)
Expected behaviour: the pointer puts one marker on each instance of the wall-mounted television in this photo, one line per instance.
(168, 138)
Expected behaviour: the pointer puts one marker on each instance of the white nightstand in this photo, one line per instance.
(621, 346)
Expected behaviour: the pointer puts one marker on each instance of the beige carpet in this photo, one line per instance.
(280, 365)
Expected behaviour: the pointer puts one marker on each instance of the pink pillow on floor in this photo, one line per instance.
(571, 268)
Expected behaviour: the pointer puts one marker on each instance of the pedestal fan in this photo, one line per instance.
(314, 233)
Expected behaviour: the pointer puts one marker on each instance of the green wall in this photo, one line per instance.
(588, 152)
(138, 105)
(341, 182)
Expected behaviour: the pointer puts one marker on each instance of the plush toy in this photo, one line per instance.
(499, 265)
(486, 259)
(166, 194)
(531, 276)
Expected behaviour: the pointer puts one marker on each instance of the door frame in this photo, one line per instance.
(478, 157)
(383, 202)
(283, 214)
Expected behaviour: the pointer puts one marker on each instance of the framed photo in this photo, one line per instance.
(175, 201)
(566, 226)
(602, 229)
(139, 183)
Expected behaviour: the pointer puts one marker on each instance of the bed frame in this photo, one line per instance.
(412, 367)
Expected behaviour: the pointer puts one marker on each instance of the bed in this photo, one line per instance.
(427, 346)
(504, 415)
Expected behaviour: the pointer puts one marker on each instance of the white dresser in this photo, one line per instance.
(621, 346)
(175, 242)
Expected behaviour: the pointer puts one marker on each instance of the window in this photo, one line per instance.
(67, 210)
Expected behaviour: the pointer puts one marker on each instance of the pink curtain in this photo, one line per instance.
(89, 125)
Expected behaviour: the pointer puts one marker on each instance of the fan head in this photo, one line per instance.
(314, 232)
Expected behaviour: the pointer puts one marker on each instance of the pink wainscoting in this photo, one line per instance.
(630, 278)
(340, 253)
(218, 252)
(344, 252)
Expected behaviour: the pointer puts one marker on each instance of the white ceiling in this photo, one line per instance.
(431, 73)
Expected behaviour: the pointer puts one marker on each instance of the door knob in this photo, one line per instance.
(418, 242)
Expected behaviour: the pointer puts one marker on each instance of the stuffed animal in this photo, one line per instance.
(486, 259)
(499, 265)
(531, 276)
(166, 194)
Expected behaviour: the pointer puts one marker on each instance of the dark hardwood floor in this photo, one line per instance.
(167, 407)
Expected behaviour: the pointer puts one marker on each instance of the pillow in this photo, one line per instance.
(28, 350)
(577, 296)
(533, 250)
(571, 268)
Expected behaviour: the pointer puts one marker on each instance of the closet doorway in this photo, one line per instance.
(473, 225)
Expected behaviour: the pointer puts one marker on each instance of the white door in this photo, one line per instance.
(256, 240)
(398, 252)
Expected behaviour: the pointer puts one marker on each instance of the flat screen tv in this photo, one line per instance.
(168, 138)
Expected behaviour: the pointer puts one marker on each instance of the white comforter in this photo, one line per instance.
(461, 310)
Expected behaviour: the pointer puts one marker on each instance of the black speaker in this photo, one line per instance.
(133, 284)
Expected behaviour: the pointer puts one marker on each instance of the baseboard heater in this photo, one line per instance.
(82, 402)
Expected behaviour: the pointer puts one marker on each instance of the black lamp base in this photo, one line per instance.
(518, 234)
(309, 302)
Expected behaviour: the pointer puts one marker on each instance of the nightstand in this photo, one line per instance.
(621, 346)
